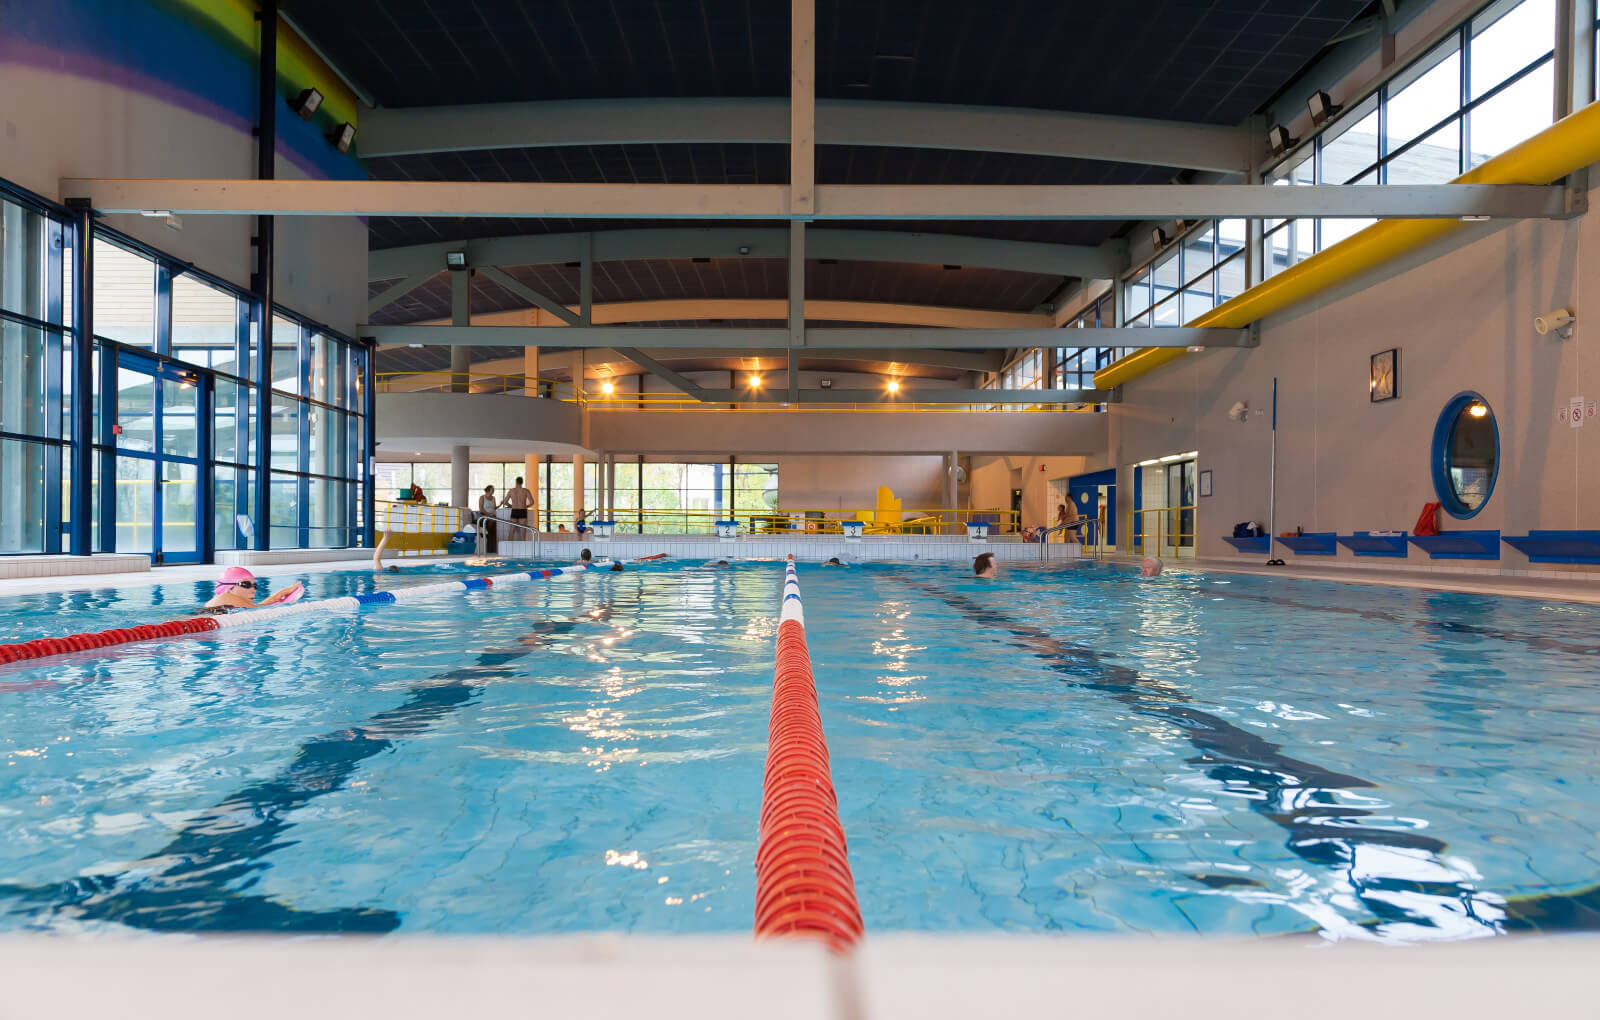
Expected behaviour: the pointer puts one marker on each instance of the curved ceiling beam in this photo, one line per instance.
(1100, 262)
(776, 309)
(413, 130)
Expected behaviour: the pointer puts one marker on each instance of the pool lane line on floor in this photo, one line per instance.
(219, 852)
(43, 648)
(1293, 795)
(804, 886)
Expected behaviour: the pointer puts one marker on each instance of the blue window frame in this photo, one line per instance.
(1466, 455)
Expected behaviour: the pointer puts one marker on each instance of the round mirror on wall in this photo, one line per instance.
(1466, 454)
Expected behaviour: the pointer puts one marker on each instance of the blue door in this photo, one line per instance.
(161, 486)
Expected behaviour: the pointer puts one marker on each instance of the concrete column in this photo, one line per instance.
(460, 459)
(530, 370)
(600, 498)
(951, 464)
(530, 474)
(611, 486)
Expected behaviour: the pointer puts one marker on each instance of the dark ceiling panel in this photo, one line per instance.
(667, 279)
(1214, 61)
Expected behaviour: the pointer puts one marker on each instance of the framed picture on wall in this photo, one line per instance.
(1205, 483)
(1383, 382)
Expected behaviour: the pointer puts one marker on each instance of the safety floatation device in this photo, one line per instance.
(804, 886)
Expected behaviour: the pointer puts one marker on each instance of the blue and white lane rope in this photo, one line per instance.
(791, 607)
(400, 596)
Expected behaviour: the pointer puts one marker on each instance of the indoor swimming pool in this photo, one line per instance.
(1064, 749)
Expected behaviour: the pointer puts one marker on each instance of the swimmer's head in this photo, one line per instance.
(616, 567)
(833, 561)
(392, 569)
(983, 565)
(585, 557)
(1151, 567)
(236, 578)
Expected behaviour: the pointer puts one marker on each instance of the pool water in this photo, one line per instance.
(1063, 749)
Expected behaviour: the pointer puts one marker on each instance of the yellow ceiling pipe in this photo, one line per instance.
(1570, 144)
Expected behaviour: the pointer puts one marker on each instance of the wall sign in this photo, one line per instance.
(1205, 482)
(1575, 412)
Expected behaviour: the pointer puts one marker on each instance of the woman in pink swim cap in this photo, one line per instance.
(236, 589)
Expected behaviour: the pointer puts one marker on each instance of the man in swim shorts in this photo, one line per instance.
(519, 499)
(236, 589)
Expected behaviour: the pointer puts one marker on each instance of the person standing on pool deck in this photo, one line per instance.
(519, 500)
(983, 565)
(486, 521)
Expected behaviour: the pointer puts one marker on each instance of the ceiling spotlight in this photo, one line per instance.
(754, 381)
(894, 386)
(1159, 239)
(1280, 139)
(1322, 107)
(1477, 410)
(342, 137)
(306, 103)
(607, 388)
(455, 260)
(744, 249)
(826, 384)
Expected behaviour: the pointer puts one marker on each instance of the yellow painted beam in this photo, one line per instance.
(1570, 144)
(777, 309)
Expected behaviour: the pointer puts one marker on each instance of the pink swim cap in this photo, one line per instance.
(233, 575)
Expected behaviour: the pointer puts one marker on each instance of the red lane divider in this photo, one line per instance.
(40, 648)
(803, 882)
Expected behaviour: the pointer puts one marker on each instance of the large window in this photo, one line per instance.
(1477, 93)
(32, 347)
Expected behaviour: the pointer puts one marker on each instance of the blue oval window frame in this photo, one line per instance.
(1443, 433)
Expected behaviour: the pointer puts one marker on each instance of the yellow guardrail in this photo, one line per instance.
(787, 521)
(597, 399)
(1169, 530)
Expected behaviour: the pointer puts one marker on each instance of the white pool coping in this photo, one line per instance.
(1550, 586)
(891, 977)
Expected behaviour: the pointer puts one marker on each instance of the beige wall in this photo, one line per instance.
(55, 125)
(718, 433)
(1462, 320)
(991, 479)
(827, 482)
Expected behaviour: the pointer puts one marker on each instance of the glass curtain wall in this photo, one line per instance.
(34, 348)
(173, 407)
(1487, 87)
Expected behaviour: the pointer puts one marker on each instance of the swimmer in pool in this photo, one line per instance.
(236, 589)
(983, 565)
(1151, 567)
(717, 563)
(616, 568)
(834, 561)
(585, 558)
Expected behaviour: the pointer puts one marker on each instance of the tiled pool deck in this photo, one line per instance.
(893, 977)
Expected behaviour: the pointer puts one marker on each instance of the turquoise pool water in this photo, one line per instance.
(1058, 750)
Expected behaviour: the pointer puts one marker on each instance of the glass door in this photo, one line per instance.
(159, 504)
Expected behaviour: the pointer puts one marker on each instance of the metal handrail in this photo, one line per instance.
(564, 390)
(1137, 536)
(783, 520)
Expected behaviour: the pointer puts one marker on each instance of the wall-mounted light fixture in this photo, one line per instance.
(342, 137)
(1280, 139)
(1322, 107)
(306, 103)
(455, 260)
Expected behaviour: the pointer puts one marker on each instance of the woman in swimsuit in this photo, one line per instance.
(236, 589)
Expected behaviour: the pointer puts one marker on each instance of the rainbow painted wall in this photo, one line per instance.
(199, 55)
